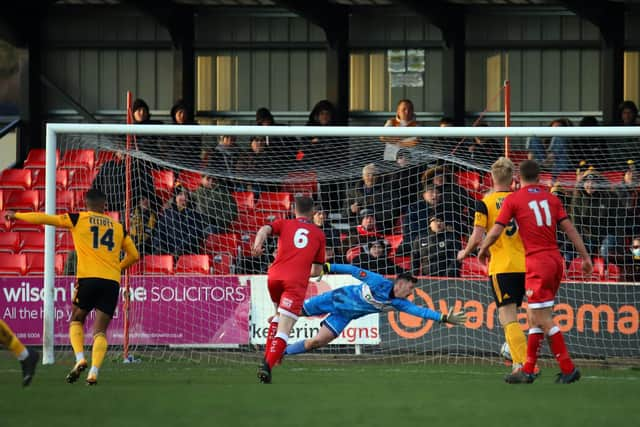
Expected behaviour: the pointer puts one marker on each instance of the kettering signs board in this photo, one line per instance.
(164, 311)
(361, 331)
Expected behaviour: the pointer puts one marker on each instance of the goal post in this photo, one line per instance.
(430, 149)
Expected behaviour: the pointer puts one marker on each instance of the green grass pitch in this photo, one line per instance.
(309, 394)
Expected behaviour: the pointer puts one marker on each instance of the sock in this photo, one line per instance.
(273, 328)
(517, 342)
(9, 340)
(560, 351)
(93, 372)
(276, 349)
(295, 348)
(98, 350)
(76, 336)
(533, 349)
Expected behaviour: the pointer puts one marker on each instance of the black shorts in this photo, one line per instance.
(507, 288)
(101, 294)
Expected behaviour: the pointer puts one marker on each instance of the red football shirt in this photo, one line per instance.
(300, 244)
(536, 212)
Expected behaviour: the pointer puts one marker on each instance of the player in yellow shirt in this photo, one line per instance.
(98, 241)
(506, 266)
(28, 358)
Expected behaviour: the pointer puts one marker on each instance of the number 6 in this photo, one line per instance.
(300, 239)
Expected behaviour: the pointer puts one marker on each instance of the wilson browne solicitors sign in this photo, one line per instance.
(598, 320)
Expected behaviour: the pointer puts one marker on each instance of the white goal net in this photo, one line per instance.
(193, 197)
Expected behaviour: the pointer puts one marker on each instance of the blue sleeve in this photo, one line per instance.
(366, 276)
(406, 306)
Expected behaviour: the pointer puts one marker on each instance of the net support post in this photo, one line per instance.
(48, 357)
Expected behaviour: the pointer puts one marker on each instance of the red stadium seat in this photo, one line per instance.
(470, 181)
(15, 179)
(78, 159)
(82, 180)
(189, 180)
(35, 264)
(62, 179)
(614, 177)
(64, 242)
(394, 240)
(226, 242)
(31, 241)
(37, 158)
(246, 241)
(10, 242)
(612, 273)
(104, 157)
(2, 196)
(567, 180)
(65, 201)
(245, 200)
(545, 179)
(19, 225)
(158, 264)
(301, 182)
(28, 200)
(352, 253)
(518, 157)
(193, 264)
(274, 201)
(221, 263)
(574, 272)
(115, 215)
(163, 182)
(403, 262)
(473, 269)
(13, 265)
(79, 198)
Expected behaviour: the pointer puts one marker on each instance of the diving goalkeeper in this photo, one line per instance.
(374, 295)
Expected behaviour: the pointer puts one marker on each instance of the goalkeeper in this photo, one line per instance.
(376, 294)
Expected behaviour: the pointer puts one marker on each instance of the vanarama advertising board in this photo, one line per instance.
(361, 331)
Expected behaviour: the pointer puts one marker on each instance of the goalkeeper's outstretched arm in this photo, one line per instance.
(454, 318)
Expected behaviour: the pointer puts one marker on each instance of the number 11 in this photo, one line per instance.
(544, 204)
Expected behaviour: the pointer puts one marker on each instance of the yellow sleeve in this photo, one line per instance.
(131, 253)
(480, 218)
(64, 221)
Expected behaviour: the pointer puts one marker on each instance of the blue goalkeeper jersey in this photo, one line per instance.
(372, 296)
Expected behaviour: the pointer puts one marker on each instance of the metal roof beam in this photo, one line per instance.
(332, 18)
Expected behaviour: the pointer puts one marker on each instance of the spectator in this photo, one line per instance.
(629, 194)
(632, 262)
(142, 225)
(416, 224)
(141, 114)
(594, 210)
(280, 150)
(553, 155)
(146, 143)
(590, 149)
(628, 113)
(456, 201)
(377, 259)
(564, 244)
(484, 150)
(264, 117)
(180, 230)
(225, 155)
(216, 205)
(435, 254)
(190, 147)
(365, 232)
(405, 117)
(406, 176)
(446, 122)
(251, 164)
(371, 192)
(331, 235)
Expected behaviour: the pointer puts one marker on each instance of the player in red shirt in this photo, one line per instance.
(536, 213)
(300, 254)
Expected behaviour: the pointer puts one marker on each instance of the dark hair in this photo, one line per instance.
(95, 197)
(180, 105)
(529, 170)
(446, 121)
(264, 115)
(629, 105)
(304, 205)
(324, 105)
(589, 121)
(407, 276)
(139, 103)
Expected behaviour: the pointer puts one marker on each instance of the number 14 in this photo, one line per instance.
(544, 205)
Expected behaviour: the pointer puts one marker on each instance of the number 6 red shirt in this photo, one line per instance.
(300, 244)
(537, 213)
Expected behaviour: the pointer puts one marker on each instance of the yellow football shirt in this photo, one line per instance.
(98, 240)
(507, 254)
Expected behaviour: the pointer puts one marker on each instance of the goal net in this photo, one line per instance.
(389, 200)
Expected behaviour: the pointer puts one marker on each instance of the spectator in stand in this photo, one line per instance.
(143, 222)
(594, 211)
(377, 259)
(216, 205)
(365, 232)
(225, 156)
(456, 203)
(588, 150)
(565, 246)
(190, 148)
(253, 163)
(141, 114)
(629, 195)
(416, 224)
(554, 154)
(435, 254)
(406, 175)
(446, 122)
(281, 151)
(331, 235)
(371, 192)
(484, 150)
(146, 143)
(632, 262)
(181, 229)
(405, 117)
(628, 113)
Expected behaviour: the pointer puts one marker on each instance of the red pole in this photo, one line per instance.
(127, 209)
(507, 114)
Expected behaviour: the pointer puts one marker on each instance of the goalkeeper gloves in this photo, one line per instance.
(326, 268)
(457, 318)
